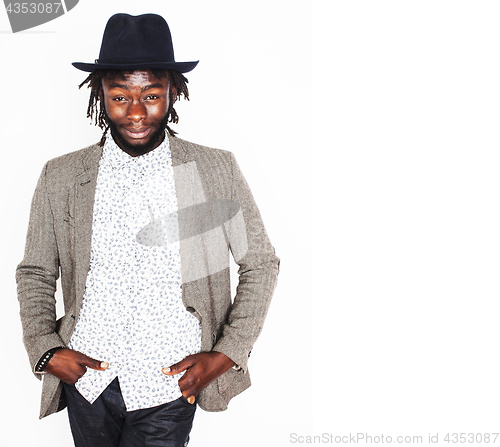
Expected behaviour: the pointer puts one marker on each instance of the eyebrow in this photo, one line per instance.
(148, 87)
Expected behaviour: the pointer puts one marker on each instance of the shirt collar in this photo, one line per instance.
(118, 158)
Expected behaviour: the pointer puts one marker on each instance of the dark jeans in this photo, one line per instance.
(106, 422)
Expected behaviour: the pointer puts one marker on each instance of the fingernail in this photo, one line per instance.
(166, 370)
(104, 365)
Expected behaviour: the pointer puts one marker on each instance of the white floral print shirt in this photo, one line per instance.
(132, 314)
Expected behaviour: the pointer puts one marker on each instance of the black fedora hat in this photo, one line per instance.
(136, 42)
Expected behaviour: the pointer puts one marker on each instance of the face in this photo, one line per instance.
(136, 105)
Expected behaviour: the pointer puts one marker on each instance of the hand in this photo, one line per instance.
(201, 369)
(69, 365)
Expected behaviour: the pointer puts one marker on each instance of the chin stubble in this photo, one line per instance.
(139, 149)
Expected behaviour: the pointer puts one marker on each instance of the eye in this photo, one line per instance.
(119, 98)
(152, 97)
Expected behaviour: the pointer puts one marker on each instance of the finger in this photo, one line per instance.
(189, 385)
(178, 367)
(94, 364)
(190, 394)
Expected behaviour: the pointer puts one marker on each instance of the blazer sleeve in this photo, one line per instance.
(258, 272)
(36, 278)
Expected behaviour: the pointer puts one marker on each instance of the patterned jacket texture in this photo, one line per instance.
(217, 218)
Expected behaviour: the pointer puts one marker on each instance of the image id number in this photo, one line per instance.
(33, 8)
(471, 438)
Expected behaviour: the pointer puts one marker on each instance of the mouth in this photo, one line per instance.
(137, 133)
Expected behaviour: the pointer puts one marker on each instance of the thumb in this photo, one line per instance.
(94, 364)
(178, 367)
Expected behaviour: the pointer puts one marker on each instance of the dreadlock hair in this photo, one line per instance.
(96, 110)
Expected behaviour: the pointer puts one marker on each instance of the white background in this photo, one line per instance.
(390, 325)
(407, 161)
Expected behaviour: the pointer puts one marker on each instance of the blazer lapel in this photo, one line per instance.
(179, 153)
(85, 186)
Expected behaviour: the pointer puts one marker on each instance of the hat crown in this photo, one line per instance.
(139, 42)
(143, 38)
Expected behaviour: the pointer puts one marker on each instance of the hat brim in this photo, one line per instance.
(183, 67)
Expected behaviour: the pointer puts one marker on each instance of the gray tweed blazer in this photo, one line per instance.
(59, 240)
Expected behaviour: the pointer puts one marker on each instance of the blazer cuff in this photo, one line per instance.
(239, 357)
(43, 344)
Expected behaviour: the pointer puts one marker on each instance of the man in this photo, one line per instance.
(139, 227)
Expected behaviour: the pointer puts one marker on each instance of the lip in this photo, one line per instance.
(138, 133)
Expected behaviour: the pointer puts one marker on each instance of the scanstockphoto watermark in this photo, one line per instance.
(355, 438)
(477, 438)
(26, 15)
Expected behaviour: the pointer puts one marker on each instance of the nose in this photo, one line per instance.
(136, 111)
